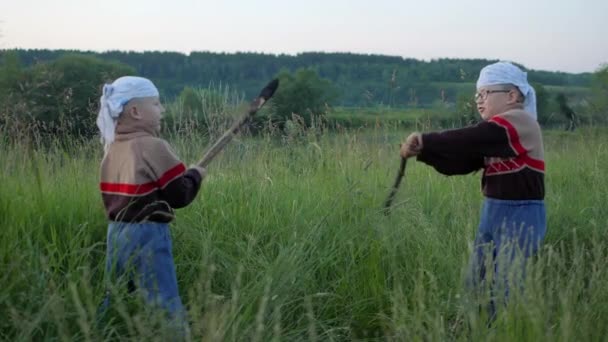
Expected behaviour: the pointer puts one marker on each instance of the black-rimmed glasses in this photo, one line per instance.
(483, 95)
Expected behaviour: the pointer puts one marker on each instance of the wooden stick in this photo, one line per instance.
(254, 106)
(391, 195)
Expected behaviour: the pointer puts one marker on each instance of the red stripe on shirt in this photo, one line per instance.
(143, 189)
(512, 133)
(170, 175)
(127, 189)
(523, 159)
(536, 164)
(514, 165)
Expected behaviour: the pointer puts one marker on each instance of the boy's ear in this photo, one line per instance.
(134, 112)
(513, 96)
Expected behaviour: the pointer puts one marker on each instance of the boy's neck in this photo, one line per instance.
(508, 108)
(128, 127)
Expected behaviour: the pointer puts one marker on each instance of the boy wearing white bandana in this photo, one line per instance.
(508, 146)
(142, 182)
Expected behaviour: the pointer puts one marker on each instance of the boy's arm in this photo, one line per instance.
(183, 190)
(462, 151)
(486, 139)
(177, 184)
(449, 166)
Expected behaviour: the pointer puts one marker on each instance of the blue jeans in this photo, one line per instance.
(510, 232)
(141, 254)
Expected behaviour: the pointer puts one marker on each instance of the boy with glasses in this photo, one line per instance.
(508, 146)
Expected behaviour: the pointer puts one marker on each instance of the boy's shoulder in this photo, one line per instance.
(517, 118)
(141, 147)
(156, 151)
(149, 139)
(522, 124)
(150, 143)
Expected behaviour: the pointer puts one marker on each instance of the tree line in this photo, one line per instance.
(359, 80)
(58, 91)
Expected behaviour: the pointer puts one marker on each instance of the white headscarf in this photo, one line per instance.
(505, 72)
(114, 97)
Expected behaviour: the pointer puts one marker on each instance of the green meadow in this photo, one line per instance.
(287, 241)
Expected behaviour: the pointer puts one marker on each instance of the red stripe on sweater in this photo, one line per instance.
(146, 188)
(539, 165)
(514, 165)
(512, 133)
(522, 159)
(170, 175)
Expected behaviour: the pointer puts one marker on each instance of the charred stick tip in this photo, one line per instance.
(269, 90)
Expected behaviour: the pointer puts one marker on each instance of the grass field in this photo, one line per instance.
(286, 241)
(388, 117)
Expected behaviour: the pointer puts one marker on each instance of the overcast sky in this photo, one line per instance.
(553, 35)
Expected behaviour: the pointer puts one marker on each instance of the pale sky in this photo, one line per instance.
(554, 35)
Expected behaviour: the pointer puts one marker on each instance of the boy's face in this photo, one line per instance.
(495, 99)
(148, 111)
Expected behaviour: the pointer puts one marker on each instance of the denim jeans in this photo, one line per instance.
(141, 254)
(510, 232)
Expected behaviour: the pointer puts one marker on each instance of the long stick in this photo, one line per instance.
(254, 106)
(391, 195)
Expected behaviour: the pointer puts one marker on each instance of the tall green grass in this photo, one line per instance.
(287, 241)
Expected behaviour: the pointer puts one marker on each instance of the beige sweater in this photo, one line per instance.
(143, 180)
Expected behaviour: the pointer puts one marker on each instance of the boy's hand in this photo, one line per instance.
(201, 170)
(412, 145)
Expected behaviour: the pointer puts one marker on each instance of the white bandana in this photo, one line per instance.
(114, 97)
(505, 72)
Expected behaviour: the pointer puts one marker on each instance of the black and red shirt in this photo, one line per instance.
(508, 147)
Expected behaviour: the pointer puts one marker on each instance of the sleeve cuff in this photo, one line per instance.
(201, 170)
